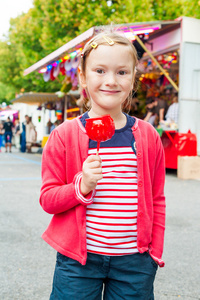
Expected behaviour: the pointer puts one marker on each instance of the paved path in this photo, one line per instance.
(27, 262)
(180, 278)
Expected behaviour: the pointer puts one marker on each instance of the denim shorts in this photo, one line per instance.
(8, 137)
(125, 277)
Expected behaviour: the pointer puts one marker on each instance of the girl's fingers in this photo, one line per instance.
(94, 165)
(92, 162)
(93, 158)
(96, 177)
(97, 171)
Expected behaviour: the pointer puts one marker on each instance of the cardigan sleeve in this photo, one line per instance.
(57, 195)
(158, 229)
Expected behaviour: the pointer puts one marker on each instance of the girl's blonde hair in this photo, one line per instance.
(109, 38)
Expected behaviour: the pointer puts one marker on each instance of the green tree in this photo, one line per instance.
(191, 8)
(52, 23)
(46, 27)
(6, 93)
(172, 9)
(63, 20)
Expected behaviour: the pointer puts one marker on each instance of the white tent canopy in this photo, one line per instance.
(36, 98)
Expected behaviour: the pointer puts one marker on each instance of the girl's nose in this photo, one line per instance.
(111, 79)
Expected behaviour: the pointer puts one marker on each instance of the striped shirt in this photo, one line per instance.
(111, 220)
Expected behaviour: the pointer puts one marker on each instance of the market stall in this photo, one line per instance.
(42, 107)
(171, 52)
(169, 59)
(65, 60)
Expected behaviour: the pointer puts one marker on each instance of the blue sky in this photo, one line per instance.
(11, 9)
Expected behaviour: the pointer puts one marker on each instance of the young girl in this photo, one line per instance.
(108, 209)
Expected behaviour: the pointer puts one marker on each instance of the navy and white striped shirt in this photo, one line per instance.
(111, 220)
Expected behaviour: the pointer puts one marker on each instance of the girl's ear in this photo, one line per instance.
(82, 79)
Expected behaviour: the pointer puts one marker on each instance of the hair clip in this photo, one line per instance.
(108, 40)
(82, 54)
(94, 45)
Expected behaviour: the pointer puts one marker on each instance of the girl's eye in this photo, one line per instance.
(122, 72)
(100, 71)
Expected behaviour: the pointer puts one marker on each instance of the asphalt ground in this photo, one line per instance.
(27, 262)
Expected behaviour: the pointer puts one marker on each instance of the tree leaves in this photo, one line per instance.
(52, 23)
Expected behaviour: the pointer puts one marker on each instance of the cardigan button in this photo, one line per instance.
(139, 154)
(140, 184)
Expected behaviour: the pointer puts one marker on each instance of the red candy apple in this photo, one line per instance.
(100, 129)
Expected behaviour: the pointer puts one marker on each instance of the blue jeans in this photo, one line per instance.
(1, 141)
(125, 277)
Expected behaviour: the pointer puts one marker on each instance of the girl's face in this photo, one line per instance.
(109, 77)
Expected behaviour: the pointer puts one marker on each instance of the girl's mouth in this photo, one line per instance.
(110, 91)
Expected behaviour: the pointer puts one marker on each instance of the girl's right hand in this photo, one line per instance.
(92, 172)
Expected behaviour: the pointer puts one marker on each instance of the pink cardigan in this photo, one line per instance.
(62, 160)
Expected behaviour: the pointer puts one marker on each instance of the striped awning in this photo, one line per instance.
(57, 54)
(60, 51)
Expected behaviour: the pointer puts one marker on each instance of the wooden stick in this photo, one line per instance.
(98, 145)
(156, 62)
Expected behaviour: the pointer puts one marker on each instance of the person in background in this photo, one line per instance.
(173, 111)
(157, 111)
(160, 109)
(49, 125)
(30, 134)
(23, 137)
(150, 111)
(8, 127)
(108, 209)
(17, 134)
(54, 125)
(1, 135)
